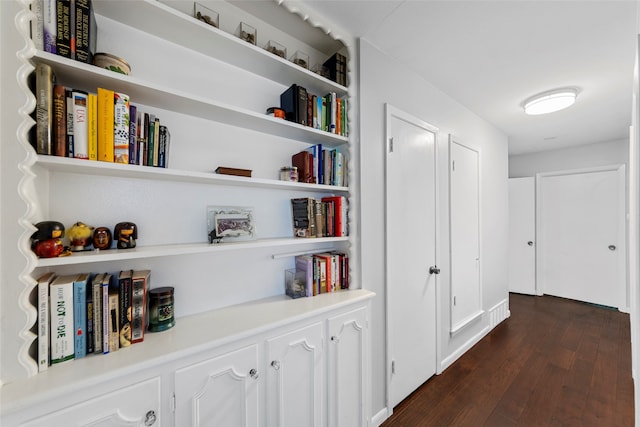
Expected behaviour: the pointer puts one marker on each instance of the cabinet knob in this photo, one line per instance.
(150, 418)
(275, 365)
(434, 270)
(335, 338)
(253, 373)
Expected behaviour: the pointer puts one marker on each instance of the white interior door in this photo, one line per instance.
(464, 176)
(581, 244)
(522, 231)
(411, 251)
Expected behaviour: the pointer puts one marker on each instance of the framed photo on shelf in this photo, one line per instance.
(230, 223)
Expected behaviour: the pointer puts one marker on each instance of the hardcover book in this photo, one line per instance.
(80, 125)
(151, 138)
(49, 25)
(294, 103)
(303, 217)
(140, 284)
(125, 309)
(121, 128)
(164, 141)
(61, 309)
(45, 79)
(340, 214)
(114, 317)
(304, 162)
(133, 135)
(44, 282)
(59, 120)
(96, 284)
(85, 31)
(63, 28)
(106, 314)
(105, 124)
(80, 315)
(90, 335)
(70, 131)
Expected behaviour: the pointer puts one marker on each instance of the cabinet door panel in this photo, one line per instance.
(135, 406)
(221, 391)
(294, 378)
(346, 366)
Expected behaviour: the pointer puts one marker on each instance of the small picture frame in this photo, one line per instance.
(206, 15)
(230, 223)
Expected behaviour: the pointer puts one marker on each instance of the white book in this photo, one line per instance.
(80, 125)
(61, 309)
(96, 284)
(43, 320)
(49, 26)
(37, 24)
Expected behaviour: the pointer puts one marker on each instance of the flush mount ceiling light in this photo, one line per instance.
(548, 102)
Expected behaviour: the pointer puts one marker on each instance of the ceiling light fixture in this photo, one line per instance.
(548, 102)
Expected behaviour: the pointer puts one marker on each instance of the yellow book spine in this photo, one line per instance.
(93, 126)
(105, 124)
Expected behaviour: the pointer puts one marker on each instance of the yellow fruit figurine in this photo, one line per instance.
(80, 236)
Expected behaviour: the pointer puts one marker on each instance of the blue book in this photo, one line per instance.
(80, 315)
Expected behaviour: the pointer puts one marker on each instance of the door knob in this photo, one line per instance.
(530, 243)
(612, 247)
(434, 270)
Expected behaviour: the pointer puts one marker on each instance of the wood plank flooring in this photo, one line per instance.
(554, 362)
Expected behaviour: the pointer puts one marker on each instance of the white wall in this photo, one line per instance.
(584, 156)
(383, 80)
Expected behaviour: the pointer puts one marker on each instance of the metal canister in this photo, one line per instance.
(161, 313)
(289, 173)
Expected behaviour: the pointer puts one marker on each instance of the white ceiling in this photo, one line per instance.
(492, 55)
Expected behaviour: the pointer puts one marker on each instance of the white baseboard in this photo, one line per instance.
(380, 417)
(497, 314)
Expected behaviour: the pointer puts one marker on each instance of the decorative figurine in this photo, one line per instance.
(49, 248)
(47, 240)
(102, 238)
(125, 234)
(80, 236)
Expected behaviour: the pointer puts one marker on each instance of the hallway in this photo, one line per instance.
(554, 362)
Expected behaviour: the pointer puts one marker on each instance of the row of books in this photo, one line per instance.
(321, 166)
(65, 27)
(326, 217)
(318, 273)
(101, 126)
(81, 314)
(327, 113)
(337, 67)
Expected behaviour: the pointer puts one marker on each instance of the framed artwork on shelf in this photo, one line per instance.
(230, 223)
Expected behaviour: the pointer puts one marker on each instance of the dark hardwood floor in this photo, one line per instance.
(554, 362)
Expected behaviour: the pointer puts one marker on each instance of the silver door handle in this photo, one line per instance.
(530, 243)
(434, 270)
(612, 247)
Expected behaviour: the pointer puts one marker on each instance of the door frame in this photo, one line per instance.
(621, 233)
(391, 111)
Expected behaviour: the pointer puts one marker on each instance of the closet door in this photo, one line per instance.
(522, 232)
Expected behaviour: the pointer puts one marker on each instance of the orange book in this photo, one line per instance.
(105, 124)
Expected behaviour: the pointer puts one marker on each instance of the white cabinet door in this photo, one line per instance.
(135, 406)
(295, 378)
(221, 391)
(347, 369)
